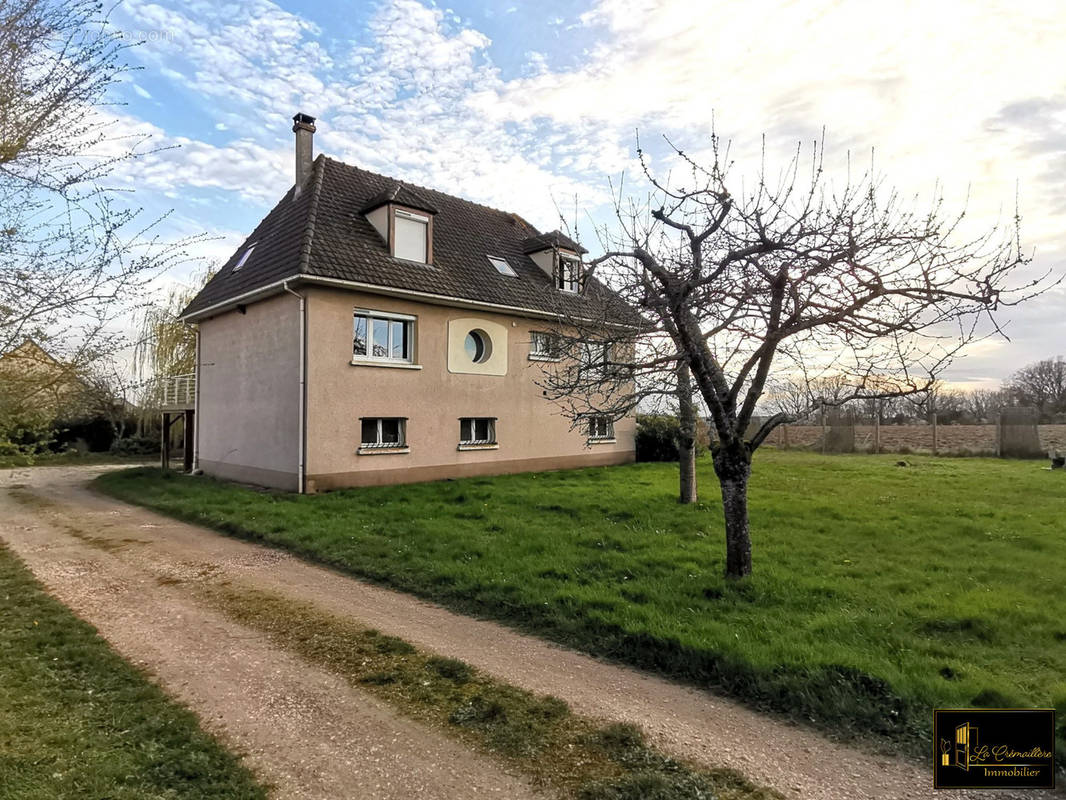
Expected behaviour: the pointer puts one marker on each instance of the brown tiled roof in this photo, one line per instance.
(322, 233)
(549, 241)
(400, 194)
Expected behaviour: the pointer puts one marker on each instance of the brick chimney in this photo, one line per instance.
(303, 125)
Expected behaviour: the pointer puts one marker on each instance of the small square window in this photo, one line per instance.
(383, 432)
(477, 430)
(502, 266)
(601, 428)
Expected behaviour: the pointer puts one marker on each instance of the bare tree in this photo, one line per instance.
(74, 254)
(984, 404)
(1041, 385)
(786, 271)
(688, 491)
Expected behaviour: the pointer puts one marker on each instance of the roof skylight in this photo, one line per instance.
(502, 266)
(244, 256)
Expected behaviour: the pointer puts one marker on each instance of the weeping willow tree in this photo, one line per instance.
(166, 345)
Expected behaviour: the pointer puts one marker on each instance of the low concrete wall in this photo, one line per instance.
(951, 439)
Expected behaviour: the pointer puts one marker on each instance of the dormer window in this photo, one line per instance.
(411, 232)
(404, 219)
(568, 273)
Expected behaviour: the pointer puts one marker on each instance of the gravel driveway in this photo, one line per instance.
(132, 574)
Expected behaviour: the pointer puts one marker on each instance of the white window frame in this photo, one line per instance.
(423, 220)
(595, 361)
(381, 446)
(571, 282)
(554, 346)
(244, 257)
(389, 317)
(502, 266)
(489, 443)
(608, 428)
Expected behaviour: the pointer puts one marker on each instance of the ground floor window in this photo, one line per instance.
(477, 430)
(384, 432)
(601, 428)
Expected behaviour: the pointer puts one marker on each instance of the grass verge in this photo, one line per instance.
(539, 737)
(880, 592)
(76, 720)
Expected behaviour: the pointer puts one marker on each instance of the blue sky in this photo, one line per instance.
(527, 106)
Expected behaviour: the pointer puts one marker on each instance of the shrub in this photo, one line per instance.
(94, 434)
(657, 437)
(135, 446)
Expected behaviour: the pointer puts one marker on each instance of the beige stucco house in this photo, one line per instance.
(371, 332)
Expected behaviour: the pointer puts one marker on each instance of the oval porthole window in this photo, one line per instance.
(478, 346)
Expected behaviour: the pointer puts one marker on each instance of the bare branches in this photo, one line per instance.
(851, 278)
(74, 255)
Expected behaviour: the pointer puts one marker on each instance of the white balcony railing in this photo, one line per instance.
(178, 391)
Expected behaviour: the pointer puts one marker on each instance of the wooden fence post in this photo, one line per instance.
(784, 435)
(825, 432)
(934, 435)
(877, 431)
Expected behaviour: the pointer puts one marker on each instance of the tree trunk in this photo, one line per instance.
(686, 444)
(732, 464)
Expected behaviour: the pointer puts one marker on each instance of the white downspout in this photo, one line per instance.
(196, 420)
(303, 379)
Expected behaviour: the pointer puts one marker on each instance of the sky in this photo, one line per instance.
(534, 107)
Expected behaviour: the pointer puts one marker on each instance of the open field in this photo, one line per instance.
(78, 721)
(879, 593)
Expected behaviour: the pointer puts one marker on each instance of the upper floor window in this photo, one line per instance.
(568, 273)
(595, 356)
(544, 346)
(380, 336)
(411, 232)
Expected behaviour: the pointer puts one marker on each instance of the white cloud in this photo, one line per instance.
(971, 94)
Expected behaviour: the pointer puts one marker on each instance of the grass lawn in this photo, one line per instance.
(879, 591)
(78, 721)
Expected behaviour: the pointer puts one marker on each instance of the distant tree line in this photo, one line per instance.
(1040, 385)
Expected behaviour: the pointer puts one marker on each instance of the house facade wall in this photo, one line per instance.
(531, 433)
(249, 393)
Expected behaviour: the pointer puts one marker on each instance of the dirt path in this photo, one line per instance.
(312, 735)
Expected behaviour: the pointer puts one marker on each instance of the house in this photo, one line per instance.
(35, 382)
(372, 332)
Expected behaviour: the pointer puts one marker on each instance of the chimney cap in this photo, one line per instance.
(303, 121)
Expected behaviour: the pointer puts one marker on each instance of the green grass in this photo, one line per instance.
(76, 721)
(537, 736)
(879, 593)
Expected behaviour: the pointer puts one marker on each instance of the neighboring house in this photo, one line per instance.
(32, 380)
(371, 332)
